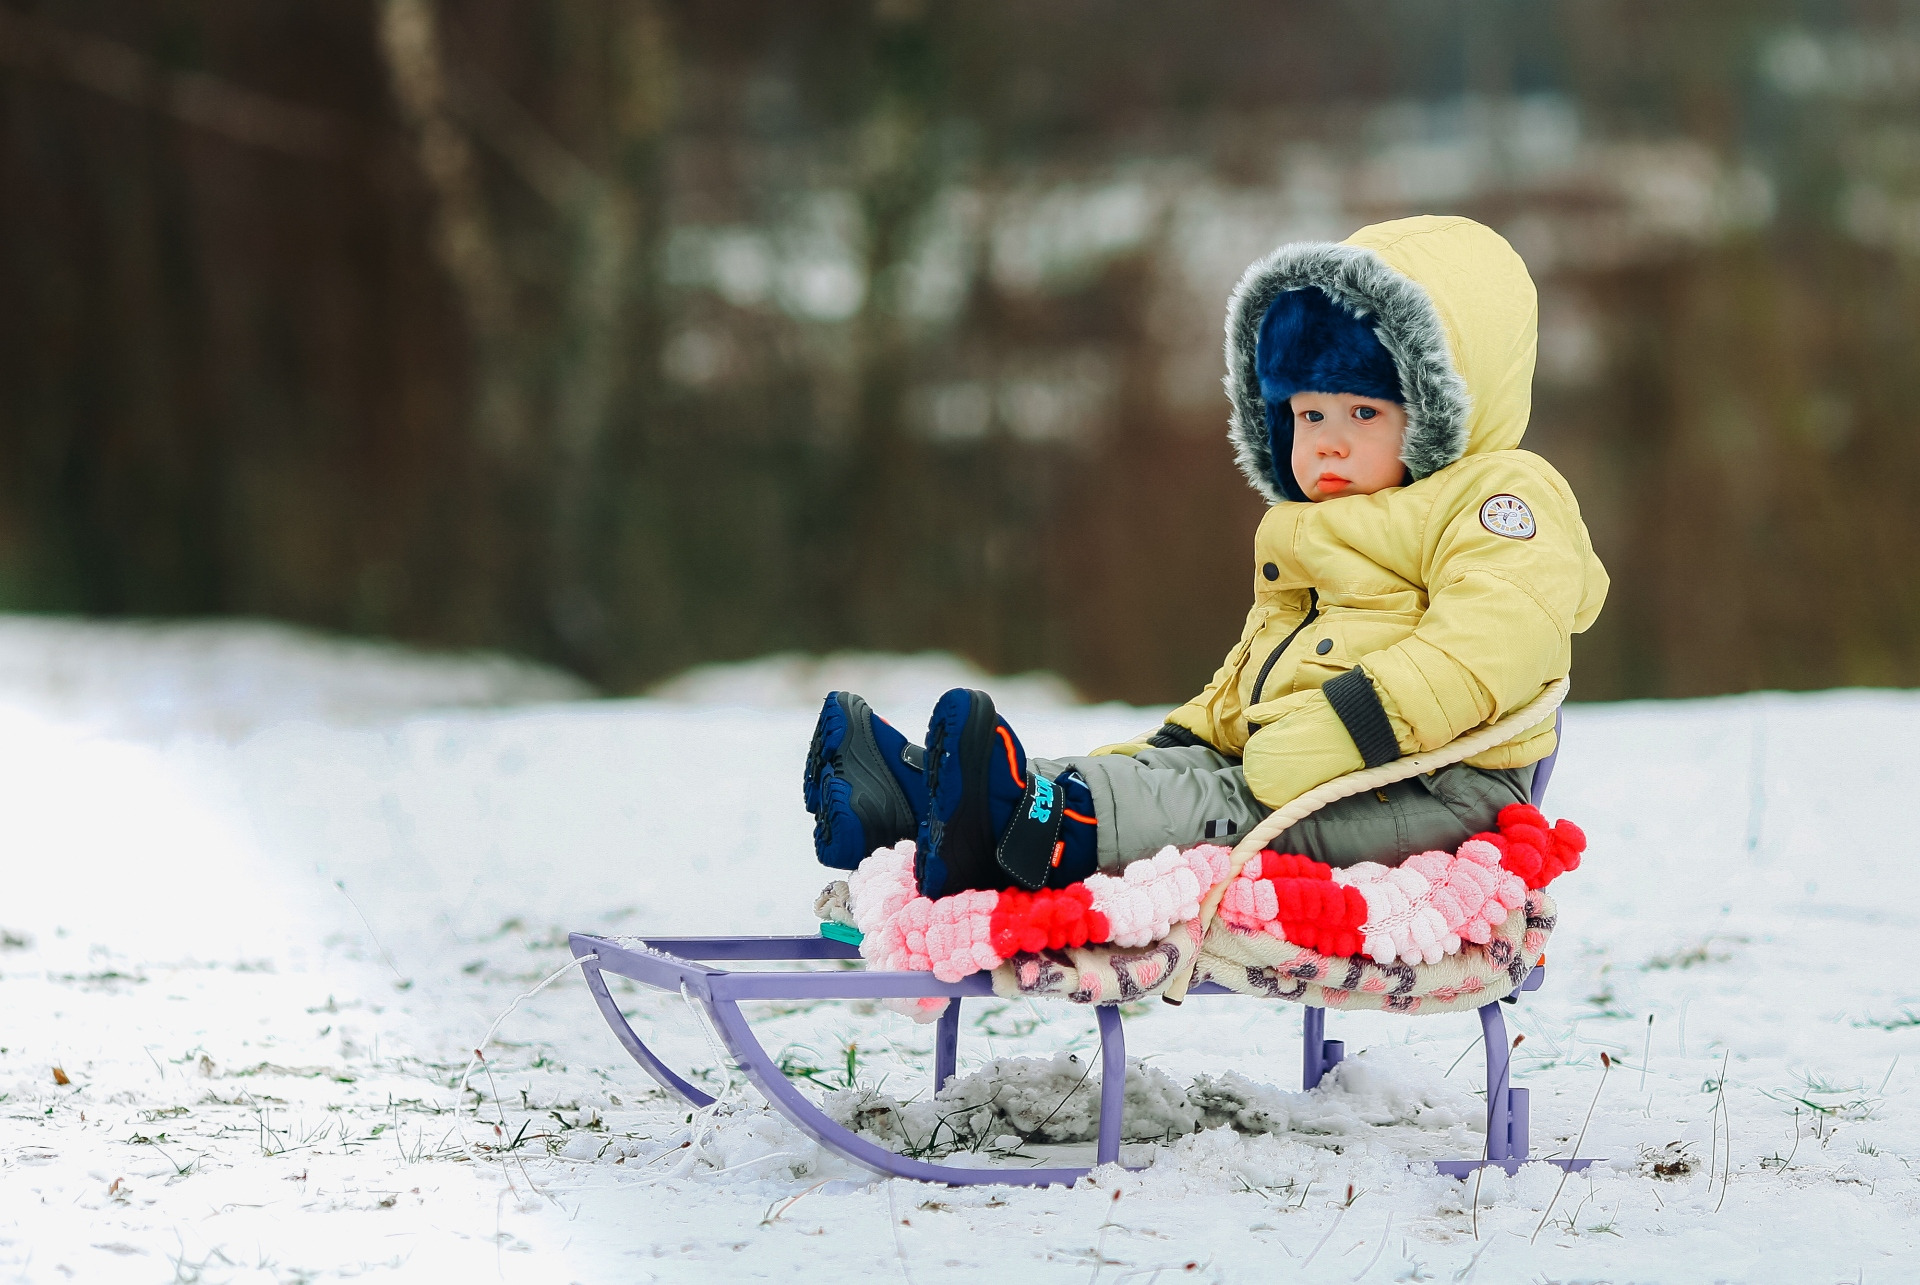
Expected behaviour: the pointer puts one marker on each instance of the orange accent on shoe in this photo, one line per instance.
(1013, 762)
(1075, 816)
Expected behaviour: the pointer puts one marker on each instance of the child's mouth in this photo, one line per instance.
(1332, 484)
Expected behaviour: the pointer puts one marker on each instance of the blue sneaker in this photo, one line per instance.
(864, 784)
(989, 822)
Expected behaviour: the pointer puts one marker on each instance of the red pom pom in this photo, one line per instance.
(1532, 851)
(1009, 919)
(1291, 865)
(1051, 919)
(1520, 814)
(1497, 840)
(1524, 859)
(1098, 929)
(1533, 834)
(1319, 914)
(1568, 844)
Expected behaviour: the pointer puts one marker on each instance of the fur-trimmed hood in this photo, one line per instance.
(1449, 299)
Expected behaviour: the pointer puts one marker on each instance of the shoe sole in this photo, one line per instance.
(956, 849)
(857, 804)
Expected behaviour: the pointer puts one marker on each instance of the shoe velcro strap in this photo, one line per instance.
(1027, 844)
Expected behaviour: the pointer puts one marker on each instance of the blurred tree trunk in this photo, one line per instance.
(540, 454)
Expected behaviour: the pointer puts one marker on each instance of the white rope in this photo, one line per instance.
(1532, 714)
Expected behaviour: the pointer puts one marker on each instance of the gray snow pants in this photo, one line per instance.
(1194, 794)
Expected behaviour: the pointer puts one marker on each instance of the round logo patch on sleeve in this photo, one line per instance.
(1508, 515)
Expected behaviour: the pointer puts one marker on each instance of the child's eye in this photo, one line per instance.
(1312, 416)
(1364, 412)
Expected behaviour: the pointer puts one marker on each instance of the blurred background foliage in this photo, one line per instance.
(629, 335)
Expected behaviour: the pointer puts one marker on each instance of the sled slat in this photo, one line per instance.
(848, 985)
(744, 947)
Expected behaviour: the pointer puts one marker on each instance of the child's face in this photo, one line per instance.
(1346, 445)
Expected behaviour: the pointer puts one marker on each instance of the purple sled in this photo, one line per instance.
(684, 964)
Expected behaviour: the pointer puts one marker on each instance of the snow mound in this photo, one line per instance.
(152, 681)
(1012, 1101)
(898, 687)
(1375, 1089)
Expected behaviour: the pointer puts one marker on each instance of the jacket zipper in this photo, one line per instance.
(1313, 611)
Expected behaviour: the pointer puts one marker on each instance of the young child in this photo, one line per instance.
(1417, 576)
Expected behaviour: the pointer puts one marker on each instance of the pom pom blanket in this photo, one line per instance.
(1257, 963)
(1430, 926)
(1439, 932)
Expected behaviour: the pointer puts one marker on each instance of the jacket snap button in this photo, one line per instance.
(1326, 645)
(1270, 571)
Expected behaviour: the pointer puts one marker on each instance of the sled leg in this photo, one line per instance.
(1499, 1066)
(1318, 1055)
(946, 1045)
(1113, 1082)
(752, 1058)
(652, 963)
(1509, 1110)
(623, 1030)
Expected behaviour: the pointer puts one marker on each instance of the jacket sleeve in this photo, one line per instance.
(1498, 627)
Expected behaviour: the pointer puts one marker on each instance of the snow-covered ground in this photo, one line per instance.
(228, 679)
(258, 907)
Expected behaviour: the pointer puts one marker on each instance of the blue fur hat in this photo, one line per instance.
(1310, 344)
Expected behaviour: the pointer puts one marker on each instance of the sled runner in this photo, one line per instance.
(696, 968)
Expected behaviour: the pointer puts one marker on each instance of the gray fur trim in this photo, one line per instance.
(1405, 322)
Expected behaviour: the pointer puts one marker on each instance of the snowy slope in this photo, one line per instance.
(228, 679)
(263, 957)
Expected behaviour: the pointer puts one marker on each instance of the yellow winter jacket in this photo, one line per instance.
(1457, 595)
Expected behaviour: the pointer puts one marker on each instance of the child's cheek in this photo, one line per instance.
(1300, 462)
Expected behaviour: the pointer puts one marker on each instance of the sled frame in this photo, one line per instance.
(687, 965)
